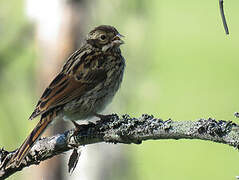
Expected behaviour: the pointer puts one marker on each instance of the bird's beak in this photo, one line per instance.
(117, 39)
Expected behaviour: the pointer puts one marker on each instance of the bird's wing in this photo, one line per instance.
(81, 73)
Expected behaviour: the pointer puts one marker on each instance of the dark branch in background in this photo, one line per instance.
(223, 17)
(125, 130)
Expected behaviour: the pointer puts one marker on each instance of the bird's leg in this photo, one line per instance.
(104, 118)
(81, 127)
(77, 126)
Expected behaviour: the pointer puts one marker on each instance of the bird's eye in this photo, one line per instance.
(103, 37)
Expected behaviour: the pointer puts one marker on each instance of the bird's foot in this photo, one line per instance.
(80, 127)
(104, 118)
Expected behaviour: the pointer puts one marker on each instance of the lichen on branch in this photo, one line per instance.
(125, 130)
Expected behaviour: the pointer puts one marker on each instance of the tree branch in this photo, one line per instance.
(125, 130)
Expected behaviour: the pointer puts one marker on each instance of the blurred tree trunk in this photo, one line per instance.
(59, 32)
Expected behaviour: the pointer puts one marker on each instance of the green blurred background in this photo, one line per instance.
(180, 65)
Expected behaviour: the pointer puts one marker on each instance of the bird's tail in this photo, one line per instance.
(21, 153)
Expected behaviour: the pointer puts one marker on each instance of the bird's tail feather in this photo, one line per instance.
(21, 153)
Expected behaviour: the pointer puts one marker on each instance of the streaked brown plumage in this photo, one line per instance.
(86, 84)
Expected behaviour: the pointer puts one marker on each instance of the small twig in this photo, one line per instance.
(223, 16)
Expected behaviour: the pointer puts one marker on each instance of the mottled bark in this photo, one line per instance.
(125, 130)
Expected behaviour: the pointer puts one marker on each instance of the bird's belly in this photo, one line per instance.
(93, 101)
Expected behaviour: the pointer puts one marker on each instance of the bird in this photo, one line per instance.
(86, 84)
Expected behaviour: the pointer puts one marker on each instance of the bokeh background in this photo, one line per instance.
(180, 65)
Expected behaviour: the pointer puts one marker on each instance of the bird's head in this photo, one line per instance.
(104, 37)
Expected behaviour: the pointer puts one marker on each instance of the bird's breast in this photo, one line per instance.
(96, 99)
